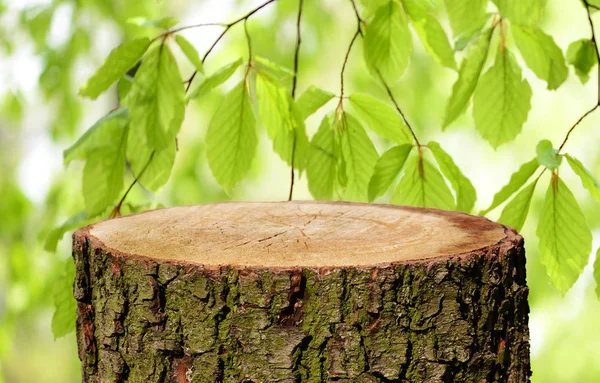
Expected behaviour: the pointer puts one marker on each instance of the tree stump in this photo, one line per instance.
(301, 292)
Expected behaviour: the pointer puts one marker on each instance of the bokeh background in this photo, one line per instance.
(48, 48)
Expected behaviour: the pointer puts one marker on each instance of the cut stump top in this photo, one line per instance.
(295, 234)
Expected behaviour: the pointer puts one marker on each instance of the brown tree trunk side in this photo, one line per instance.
(458, 318)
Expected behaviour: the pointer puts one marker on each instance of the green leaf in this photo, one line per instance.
(468, 75)
(387, 169)
(190, 52)
(103, 176)
(124, 86)
(565, 238)
(597, 272)
(156, 171)
(423, 186)
(360, 157)
(106, 131)
(118, 62)
(541, 54)
(277, 69)
(547, 156)
(63, 320)
(322, 161)
(465, 192)
(431, 33)
(587, 179)
(231, 138)
(465, 15)
(501, 101)
(515, 212)
(381, 118)
(582, 55)
(276, 114)
(274, 106)
(55, 235)
(388, 43)
(156, 99)
(517, 180)
(311, 100)
(165, 22)
(522, 12)
(220, 76)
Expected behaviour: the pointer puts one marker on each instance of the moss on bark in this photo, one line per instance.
(449, 319)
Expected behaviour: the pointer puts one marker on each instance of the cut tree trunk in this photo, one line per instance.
(301, 292)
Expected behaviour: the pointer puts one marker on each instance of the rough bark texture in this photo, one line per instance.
(457, 318)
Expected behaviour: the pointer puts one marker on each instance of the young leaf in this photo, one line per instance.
(190, 52)
(216, 79)
(277, 69)
(547, 156)
(119, 61)
(465, 192)
(501, 101)
(106, 131)
(582, 55)
(517, 179)
(597, 272)
(541, 54)
(55, 235)
(311, 100)
(423, 186)
(465, 15)
(63, 320)
(103, 176)
(431, 33)
(156, 99)
(587, 179)
(156, 171)
(274, 106)
(388, 43)
(515, 212)
(522, 12)
(360, 157)
(284, 144)
(322, 160)
(276, 114)
(565, 238)
(381, 118)
(468, 75)
(231, 138)
(124, 86)
(387, 168)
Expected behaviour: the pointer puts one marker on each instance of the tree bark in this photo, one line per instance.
(301, 292)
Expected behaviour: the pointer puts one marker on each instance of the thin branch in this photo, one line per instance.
(389, 92)
(117, 209)
(227, 28)
(197, 26)
(294, 83)
(595, 42)
(386, 86)
(356, 34)
(248, 40)
(576, 124)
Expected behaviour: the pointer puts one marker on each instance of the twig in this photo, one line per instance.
(576, 124)
(117, 209)
(386, 86)
(227, 28)
(196, 26)
(294, 82)
(356, 34)
(595, 42)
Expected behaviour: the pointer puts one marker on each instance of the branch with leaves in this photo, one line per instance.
(340, 160)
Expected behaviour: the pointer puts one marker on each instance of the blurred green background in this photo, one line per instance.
(49, 48)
